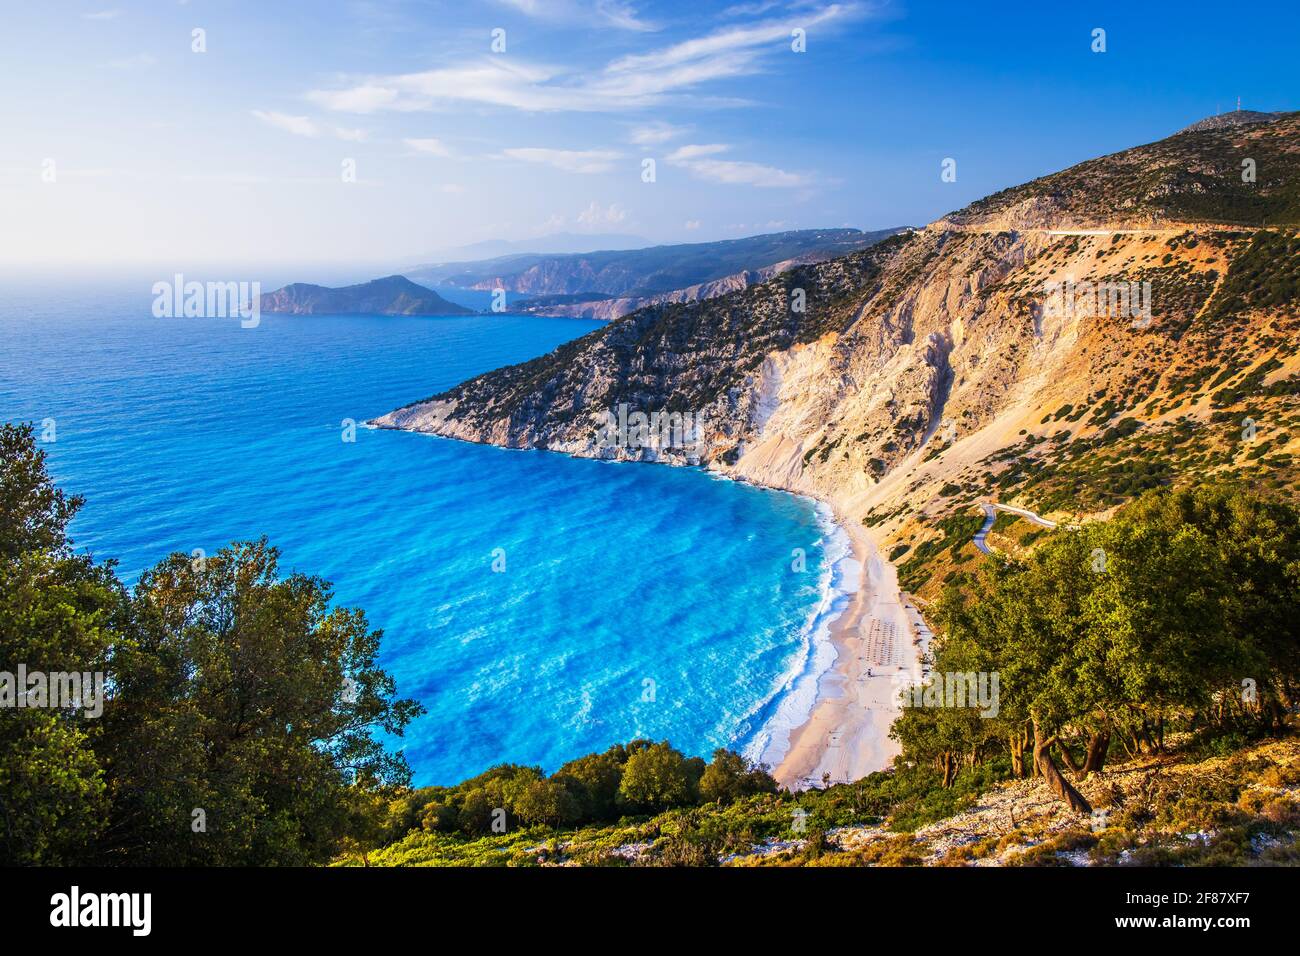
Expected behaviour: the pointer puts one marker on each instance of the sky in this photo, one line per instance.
(378, 132)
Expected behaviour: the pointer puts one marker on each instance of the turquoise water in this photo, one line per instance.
(191, 433)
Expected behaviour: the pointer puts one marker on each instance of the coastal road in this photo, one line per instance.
(1105, 232)
(991, 510)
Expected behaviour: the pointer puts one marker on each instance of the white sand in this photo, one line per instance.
(847, 734)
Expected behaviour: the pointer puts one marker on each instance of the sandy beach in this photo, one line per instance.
(847, 732)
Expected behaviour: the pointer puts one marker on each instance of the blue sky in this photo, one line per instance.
(159, 154)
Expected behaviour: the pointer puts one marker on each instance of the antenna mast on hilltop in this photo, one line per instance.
(1238, 104)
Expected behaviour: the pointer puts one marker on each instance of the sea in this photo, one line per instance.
(540, 607)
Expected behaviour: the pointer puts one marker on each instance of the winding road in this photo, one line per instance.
(991, 510)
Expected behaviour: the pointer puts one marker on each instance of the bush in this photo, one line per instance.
(658, 777)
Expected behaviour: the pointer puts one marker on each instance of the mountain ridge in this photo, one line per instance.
(1237, 117)
(654, 270)
(1194, 177)
(602, 306)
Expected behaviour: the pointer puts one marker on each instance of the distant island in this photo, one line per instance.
(393, 295)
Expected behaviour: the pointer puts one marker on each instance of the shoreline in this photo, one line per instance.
(877, 640)
(846, 731)
(793, 699)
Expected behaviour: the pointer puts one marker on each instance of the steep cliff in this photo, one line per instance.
(1128, 322)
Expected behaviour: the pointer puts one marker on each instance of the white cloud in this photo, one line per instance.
(305, 126)
(692, 224)
(624, 15)
(298, 125)
(102, 15)
(428, 146)
(629, 82)
(731, 171)
(746, 174)
(767, 6)
(751, 9)
(615, 12)
(360, 99)
(594, 218)
(730, 49)
(598, 215)
(494, 82)
(682, 154)
(569, 160)
(653, 134)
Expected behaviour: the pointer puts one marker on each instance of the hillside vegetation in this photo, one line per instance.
(1148, 672)
(1222, 803)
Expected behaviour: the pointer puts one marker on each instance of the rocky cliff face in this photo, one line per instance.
(954, 363)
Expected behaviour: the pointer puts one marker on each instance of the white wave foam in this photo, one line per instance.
(794, 694)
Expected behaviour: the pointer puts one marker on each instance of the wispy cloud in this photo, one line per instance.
(102, 15)
(594, 218)
(628, 82)
(683, 154)
(298, 125)
(597, 215)
(731, 51)
(759, 7)
(495, 82)
(696, 159)
(654, 134)
(569, 160)
(624, 15)
(618, 13)
(305, 126)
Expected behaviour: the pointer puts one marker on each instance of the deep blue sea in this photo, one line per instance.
(191, 433)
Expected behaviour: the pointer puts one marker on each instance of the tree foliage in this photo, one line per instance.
(242, 714)
(1178, 611)
(636, 778)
